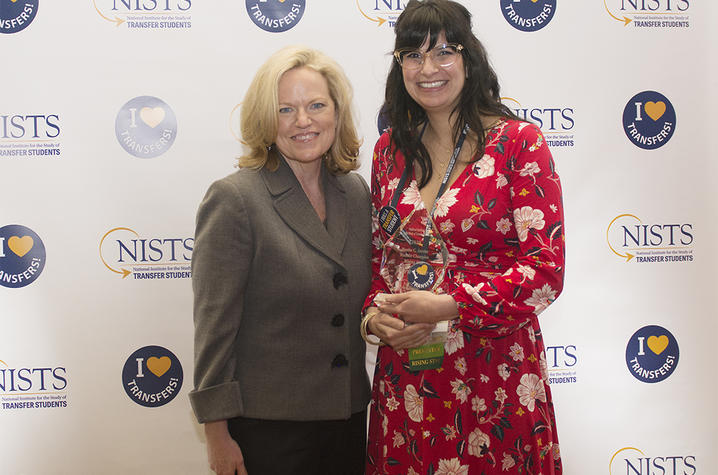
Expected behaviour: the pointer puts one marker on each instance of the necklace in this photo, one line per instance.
(440, 150)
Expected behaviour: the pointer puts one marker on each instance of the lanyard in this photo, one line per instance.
(424, 251)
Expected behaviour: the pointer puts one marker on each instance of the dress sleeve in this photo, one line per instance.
(378, 177)
(220, 264)
(499, 305)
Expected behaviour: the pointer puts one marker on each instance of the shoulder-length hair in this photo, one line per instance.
(479, 96)
(260, 110)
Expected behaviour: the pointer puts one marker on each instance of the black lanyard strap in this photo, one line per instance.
(424, 250)
(442, 188)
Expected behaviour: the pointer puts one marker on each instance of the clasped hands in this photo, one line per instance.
(418, 312)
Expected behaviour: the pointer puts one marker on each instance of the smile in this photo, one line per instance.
(429, 85)
(305, 137)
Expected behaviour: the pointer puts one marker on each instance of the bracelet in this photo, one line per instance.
(363, 326)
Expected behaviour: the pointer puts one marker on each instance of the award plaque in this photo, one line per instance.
(415, 258)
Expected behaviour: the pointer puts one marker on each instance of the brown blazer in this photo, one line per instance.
(278, 298)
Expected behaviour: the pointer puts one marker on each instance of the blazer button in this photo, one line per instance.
(339, 280)
(338, 320)
(339, 361)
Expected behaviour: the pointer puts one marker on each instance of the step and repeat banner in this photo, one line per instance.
(116, 115)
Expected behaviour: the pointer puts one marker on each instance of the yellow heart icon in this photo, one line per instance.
(20, 246)
(159, 366)
(657, 343)
(655, 110)
(152, 116)
(421, 270)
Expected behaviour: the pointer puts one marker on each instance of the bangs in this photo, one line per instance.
(416, 24)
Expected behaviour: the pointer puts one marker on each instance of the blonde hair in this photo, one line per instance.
(260, 109)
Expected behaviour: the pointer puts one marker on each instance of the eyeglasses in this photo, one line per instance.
(443, 55)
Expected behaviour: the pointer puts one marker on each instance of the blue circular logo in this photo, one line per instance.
(382, 121)
(152, 376)
(649, 120)
(22, 256)
(275, 16)
(146, 127)
(421, 276)
(17, 15)
(652, 354)
(528, 15)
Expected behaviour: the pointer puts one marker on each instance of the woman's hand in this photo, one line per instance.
(419, 306)
(397, 334)
(224, 455)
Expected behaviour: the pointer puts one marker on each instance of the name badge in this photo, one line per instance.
(431, 355)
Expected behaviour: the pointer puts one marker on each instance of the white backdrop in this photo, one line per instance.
(79, 333)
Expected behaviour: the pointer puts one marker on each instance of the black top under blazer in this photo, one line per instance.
(278, 298)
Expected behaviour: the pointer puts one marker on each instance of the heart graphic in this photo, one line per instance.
(152, 116)
(159, 366)
(421, 270)
(655, 110)
(20, 246)
(657, 343)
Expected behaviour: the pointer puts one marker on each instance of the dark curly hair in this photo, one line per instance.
(480, 95)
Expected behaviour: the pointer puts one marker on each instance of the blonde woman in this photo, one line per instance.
(279, 272)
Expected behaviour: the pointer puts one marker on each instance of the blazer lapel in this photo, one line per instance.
(337, 209)
(293, 206)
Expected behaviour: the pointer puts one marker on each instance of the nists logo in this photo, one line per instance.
(22, 256)
(633, 461)
(528, 15)
(556, 122)
(152, 376)
(275, 16)
(32, 387)
(649, 14)
(146, 14)
(381, 12)
(561, 362)
(629, 237)
(29, 135)
(649, 120)
(146, 127)
(124, 252)
(652, 354)
(16, 15)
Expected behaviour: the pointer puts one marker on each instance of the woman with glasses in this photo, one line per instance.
(468, 250)
(280, 271)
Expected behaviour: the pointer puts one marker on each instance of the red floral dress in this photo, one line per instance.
(498, 247)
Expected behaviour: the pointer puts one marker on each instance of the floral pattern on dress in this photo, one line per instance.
(488, 409)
